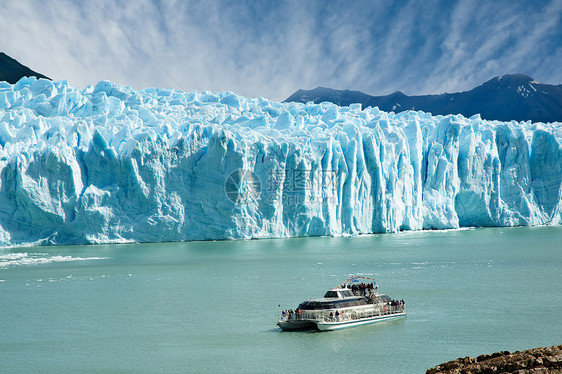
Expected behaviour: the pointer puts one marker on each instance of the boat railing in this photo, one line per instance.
(345, 316)
(355, 316)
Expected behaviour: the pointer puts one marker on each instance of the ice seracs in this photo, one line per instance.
(112, 164)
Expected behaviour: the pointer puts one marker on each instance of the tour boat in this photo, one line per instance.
(355, 302)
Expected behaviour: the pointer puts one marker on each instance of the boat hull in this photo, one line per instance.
(296, 324)
(338, 325)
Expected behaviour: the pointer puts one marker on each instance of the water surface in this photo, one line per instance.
(212, 306)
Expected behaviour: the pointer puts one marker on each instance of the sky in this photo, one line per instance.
(270, 49)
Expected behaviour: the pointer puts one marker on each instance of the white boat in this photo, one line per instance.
(353, 303)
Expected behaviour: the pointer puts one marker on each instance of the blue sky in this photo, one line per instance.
(272, 48)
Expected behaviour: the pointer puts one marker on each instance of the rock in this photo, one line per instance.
(533, 361)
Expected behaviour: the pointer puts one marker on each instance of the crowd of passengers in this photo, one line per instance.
(290, 314)
(363, 289)
(296, 314)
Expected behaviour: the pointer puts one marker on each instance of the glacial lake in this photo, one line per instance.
(212, 306)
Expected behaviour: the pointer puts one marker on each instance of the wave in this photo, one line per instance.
(31, 259)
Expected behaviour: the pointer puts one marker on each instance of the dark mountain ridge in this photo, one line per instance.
(509, 97)
(12, 71)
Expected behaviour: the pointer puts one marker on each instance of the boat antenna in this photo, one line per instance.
(353, 260)
(166, 71)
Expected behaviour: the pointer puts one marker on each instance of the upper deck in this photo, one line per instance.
(339, 293)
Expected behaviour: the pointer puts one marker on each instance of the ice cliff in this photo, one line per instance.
(112, 164)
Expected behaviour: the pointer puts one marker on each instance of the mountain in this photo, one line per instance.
(11, 71)
(509, 97)
(113, 164)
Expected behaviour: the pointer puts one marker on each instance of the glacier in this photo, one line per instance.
(110, 164)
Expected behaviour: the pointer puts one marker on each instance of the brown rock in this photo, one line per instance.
(533, 361)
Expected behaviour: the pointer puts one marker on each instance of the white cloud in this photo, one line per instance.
(272, 49)
(487, 39)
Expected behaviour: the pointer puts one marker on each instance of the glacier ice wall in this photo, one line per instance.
(112, 164)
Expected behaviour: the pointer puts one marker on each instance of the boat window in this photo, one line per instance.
(336, 304)
(331, 294)
(383, 299)
(347, 293)
(315, 305)
(309, 305)
(343, 304)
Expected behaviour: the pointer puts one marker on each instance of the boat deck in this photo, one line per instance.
(307, 321)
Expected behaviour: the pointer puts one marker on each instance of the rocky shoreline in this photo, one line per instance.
(533, 361)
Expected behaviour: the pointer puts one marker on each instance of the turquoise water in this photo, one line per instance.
(212, 306)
